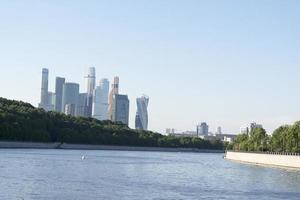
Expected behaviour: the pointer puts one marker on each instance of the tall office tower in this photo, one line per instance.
(114, 91)
(120, 109)
(59, 93)
(141, 118)
(70, 95)
(91, 82)
(82, 105)
(202, 129)
(44, 89)
(100, 102)
(51, 101)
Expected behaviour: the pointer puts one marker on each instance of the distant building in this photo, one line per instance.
(219, 130)
(141, 119)
(244, 130)
(120, 109)
(114, 91)
(100, 101)
(82, 106)
(226, 137)
(70, 95)
(70, 109)
(170, 131)
(44, 88)
(51, 101)
(202, 129)
(44, 103)
(59, 83)
(91, 82)
(254, 125)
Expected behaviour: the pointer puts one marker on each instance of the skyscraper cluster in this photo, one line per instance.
(96, 101)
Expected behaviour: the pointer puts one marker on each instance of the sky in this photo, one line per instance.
(227, 63)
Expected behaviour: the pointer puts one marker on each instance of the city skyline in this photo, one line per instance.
(225, 63)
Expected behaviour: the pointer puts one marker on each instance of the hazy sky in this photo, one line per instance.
(224, 62)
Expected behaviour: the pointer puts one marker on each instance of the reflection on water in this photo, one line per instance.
(63, 174)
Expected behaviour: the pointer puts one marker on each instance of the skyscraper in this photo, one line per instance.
(141, 119)
(91, 82)
(51, 101)
(45, 104)
(44, 89)
(202, 129)
(59, 93)
(120, 109)
(100, 102)
(82, 105)
(70, 95)
(114, 91)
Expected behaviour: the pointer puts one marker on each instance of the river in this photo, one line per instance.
(123, 175)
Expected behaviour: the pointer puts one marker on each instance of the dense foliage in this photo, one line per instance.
(22, 122)
(284, 139)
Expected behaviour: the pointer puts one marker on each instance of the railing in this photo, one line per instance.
(267, 152)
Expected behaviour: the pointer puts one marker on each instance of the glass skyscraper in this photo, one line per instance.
(59, 83)
(141, 118)
(44, 89)
(91, 82)
(82, 105)
(70, 95)
(114, 91)
(120, 109)
(100, 102)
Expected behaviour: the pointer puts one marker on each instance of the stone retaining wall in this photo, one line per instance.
(290, 161)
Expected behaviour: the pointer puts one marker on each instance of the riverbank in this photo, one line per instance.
(31, 145)
(273, 160)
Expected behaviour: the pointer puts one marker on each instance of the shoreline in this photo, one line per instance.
(64, 146)
(264, 159)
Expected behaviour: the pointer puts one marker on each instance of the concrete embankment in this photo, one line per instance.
(275, 160)
(30, 145)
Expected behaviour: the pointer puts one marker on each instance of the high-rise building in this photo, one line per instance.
(44, 90)
(82, 105)
(91, 82)
(59, 93)
(141, 118)
(51, 101)
(202, 129)
(120, 109)
(219, 130)
(100, 102)
(114, 91)
(70, 95)
(70, 109)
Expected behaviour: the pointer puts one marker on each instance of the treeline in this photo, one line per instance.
(21, 121)
(284, 139)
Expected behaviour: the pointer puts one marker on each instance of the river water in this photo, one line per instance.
(122, 175)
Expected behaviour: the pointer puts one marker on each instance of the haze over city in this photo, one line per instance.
(225, 63)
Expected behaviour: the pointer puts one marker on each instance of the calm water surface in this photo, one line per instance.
(118, 175)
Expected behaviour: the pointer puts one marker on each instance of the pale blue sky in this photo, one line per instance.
(224, 62)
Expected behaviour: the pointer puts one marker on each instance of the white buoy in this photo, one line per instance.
(83, 158)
